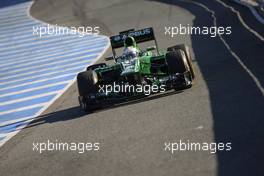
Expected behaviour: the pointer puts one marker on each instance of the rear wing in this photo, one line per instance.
(143, 35)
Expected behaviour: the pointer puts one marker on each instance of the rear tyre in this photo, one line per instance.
(86, 88)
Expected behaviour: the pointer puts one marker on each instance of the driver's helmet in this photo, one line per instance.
(131, 52)
(131, 49)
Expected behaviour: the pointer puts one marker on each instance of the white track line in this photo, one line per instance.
(20, 26)
(46, 74)
(12, 56)
(42, 47)
(241, 20)
(11, 22)
(10, 135)
(42, 43)
(38, 81)
(27, 98)
(23, 57)
(252, 9)
(10, 122)
(59, 54)
(46, 69)
(32, 89)
(34, 39)
(23, 108)
(49, 58)
(47, 64)
(241, 63)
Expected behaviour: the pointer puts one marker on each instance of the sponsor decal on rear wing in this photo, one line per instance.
(142, 35)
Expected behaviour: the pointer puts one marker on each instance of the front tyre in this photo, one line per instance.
(178, 64)
(187, 53)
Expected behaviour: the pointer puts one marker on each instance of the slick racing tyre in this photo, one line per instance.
(86, 88)
(85, 83)
(186, 50)
(177, 63)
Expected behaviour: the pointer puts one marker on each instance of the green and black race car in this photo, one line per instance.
(136, 73)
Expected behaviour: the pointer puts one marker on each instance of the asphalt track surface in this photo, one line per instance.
(225, 104)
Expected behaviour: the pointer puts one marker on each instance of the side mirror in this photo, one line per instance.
(109, 58)
(151, 48)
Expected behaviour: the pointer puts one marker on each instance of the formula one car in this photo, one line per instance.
(135, 73)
